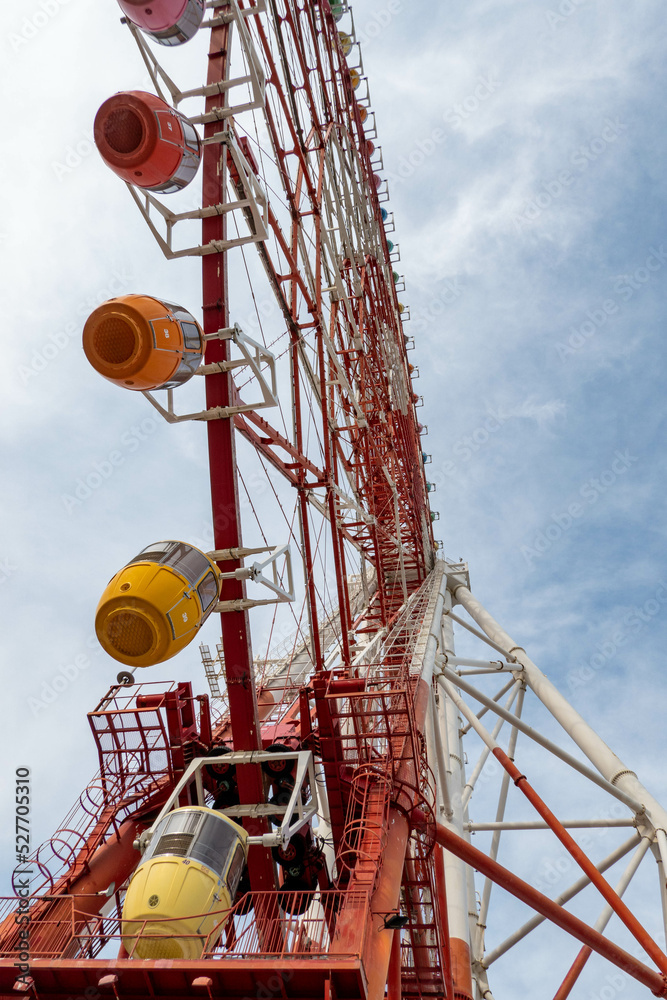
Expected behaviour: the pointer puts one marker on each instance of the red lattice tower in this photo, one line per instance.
(364, 704)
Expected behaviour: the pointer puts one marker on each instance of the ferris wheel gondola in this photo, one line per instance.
(318, 830)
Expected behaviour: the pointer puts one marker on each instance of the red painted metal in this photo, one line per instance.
(380, 450)
(235, 625)
(349, 380)
(573, 974)
(655, 981)
(394, 990)
(350, 443)
(598, 880)
(441, 888)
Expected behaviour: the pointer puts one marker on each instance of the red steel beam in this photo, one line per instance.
(441, 891)
(584, 862)
(224, 483)
(573, 974)
(655, 981)
(386, 896)
(394, 981)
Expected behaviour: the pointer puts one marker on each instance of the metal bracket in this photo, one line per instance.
(254, 199)
(256, 574)
(255, 78)
(304, 811)
(457, 574)
(255, 356)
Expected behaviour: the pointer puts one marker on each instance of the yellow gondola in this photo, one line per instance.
(156, 604)
(178, 900)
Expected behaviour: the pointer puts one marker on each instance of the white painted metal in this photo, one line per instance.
(569, 824)
(303, 801)
(507, 687)
(660, 849)
(255, 573)
(472, 780)
(442, 781)
(457, 678)
(633, 803)
(624, 882)
(254, 80)
(610, 766)
(455, 870)
(253, 199)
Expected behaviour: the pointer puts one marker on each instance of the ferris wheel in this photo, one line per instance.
(306, 828)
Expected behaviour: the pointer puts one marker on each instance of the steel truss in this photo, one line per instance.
(368, 695)
(461, 699)
(374, 730)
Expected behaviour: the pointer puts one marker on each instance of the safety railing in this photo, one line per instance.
(261, 925)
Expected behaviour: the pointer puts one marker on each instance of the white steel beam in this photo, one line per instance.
(484, 756)
(569, 824)
(496, 697)
(609, 765)
(634, 803)
(448, 723)
(495, 842)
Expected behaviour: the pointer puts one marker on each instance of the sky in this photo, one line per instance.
(523, 146)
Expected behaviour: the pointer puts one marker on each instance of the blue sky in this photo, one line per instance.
(524, 146)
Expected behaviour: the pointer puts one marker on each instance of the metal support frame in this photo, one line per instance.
(570, 845)
(304, 808)
(614, 772)
(609, 774)
(255, 573)
(254, 200)
(451, 784)
(330, 270)
(226, 515)
(255, 78)
(577, 966)
(564, 897)
(635, 804)
(255, 357)
(655, 981)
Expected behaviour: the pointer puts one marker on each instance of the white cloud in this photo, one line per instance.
(485, 342)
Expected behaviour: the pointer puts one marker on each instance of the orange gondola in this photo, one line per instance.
(141, 342)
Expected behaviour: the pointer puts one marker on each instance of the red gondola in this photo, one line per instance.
(168, 22)
(146, 142)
